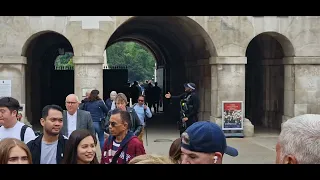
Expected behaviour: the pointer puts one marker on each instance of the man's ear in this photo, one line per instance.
(42, 122)
(217, 158)
(14, 113)
(289, 159)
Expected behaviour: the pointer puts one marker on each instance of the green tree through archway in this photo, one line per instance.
(64, 61)
(139, 60)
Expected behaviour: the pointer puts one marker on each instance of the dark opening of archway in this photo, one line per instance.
(49, 73)
(264, 101)
(176, 42)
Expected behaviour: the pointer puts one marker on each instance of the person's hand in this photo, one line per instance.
(123, 108)
(185, 119)
(144, 107)
(168, 95)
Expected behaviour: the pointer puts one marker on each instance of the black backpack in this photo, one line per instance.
(23, 131)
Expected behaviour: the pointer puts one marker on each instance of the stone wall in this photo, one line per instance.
(13, 68)
(221, 79)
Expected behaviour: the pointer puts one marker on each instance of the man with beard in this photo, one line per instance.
(189, 106)
(48, 147)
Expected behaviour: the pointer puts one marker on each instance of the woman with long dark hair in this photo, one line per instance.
(98, 111)
(81, 148)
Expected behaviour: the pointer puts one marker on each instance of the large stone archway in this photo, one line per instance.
(269, 81)
(182, 48)
(45, 83)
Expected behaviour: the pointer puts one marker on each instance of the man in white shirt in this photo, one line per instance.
(143, 112)
(10, 126)
(75, 118)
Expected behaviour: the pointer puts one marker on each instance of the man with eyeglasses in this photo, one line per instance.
(204, 143)
(75, 118)
(143, 112)
(122, 145)
(121, 103)
(10, 126)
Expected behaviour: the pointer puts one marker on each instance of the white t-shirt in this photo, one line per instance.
(14, 132)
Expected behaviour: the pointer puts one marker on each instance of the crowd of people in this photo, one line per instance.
(69, 136)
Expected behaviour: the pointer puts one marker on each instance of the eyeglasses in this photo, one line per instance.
(113, 124)
(141, 100)
(71, 102)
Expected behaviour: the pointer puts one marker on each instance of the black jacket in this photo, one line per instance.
(194, 101)
(35, 148)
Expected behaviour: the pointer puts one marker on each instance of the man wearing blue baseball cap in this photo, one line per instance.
(204, 143)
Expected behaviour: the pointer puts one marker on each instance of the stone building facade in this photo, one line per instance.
(271, 63)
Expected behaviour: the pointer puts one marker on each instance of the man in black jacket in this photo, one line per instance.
(189, 106)
(48, 148)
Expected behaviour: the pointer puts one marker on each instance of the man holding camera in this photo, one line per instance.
(189, 106)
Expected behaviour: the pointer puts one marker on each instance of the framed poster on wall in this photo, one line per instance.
(232, 115)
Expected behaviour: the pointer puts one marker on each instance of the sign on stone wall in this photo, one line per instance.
(232, 117)
(5, 88)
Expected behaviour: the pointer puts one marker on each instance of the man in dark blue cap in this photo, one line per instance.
(189, 106)
(204, 143)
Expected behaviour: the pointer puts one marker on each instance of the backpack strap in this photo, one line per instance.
(23, 131)
(131, 118)
(117, 155)
(134, 105)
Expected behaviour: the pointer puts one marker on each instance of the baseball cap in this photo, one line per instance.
(206, 137)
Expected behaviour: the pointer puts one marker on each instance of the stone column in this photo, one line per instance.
(289, 88)
(305, 78)
(227, 84)
(13, 68)
(88, 74)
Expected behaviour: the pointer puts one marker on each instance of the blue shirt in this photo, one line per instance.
(140, 112)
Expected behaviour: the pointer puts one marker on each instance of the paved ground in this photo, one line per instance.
(259, 149)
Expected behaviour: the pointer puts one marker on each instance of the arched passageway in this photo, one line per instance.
(178, 44)
(47, 81)
(265, 103)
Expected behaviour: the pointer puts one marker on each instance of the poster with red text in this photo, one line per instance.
(232, 115)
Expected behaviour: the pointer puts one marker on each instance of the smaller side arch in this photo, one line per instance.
(286, 44)
(34, 37)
